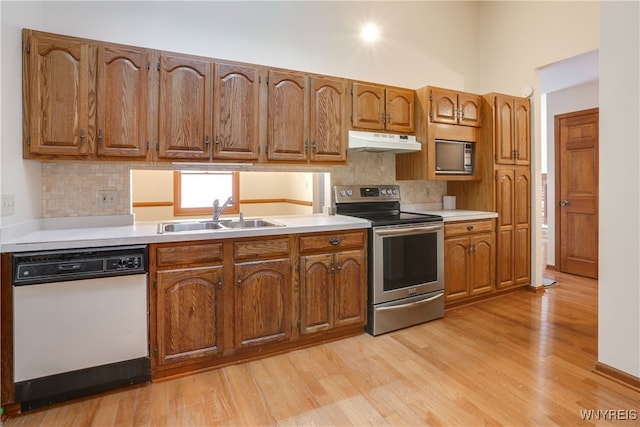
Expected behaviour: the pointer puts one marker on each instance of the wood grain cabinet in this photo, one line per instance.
(57, 83)
(123, 101)
(442, 114)
(503, 186)
(287, 116)
(513, 194)
(184, 107)
(187, 303)
(512, 130)
(454, 107)
(87, 99)
(469, 259)
(84, 99)
(262, 271)
(306, 118)
(236, 109)
(328, 119)
(333, 277)
(376, 107)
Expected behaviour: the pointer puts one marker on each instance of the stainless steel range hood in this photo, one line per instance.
(382, 142)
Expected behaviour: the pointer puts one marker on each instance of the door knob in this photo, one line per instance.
(564, 203)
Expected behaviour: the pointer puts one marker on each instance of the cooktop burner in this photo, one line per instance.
(380, 204)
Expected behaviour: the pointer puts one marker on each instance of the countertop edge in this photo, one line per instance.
(145, 233)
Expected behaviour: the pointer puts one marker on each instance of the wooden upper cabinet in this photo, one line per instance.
(512, 130)
(454, 108)
(368, 106)
(328, 119)
(287, 116)
(236, 110)
(122, 106)
(56, 88)
(400, 104)
(377, 107)
(184, 107)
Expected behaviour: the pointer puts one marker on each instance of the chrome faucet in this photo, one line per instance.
(217, 209)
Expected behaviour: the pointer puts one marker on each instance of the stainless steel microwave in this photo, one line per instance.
(454, 157)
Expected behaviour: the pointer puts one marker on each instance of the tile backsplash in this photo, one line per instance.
(72, 188)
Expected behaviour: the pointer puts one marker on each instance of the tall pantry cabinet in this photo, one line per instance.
(504, 184)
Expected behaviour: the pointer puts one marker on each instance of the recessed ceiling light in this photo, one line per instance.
(370, 32)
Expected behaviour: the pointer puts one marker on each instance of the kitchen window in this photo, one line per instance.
(195, 191)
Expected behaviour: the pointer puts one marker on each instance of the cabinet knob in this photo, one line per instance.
(564, 203)
(469, 227)
(335, 241)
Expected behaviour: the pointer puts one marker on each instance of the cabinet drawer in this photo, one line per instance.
(205, 253)
(249, 250)
(468, 227)
(332, 241)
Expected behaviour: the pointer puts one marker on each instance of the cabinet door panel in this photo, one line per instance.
(288, 119)
(522, 131)
(122, 103)
(185, 96)
(469, 110)
(399, 107)
(505, 204)
(236, 111)
(328, 119)
(262, 302)
(482, 265)
(368, 106)
(504, 130)
(444, 103)
(456, 269)
(350, 288)
(316, 294)
(189, 314)
(58, 96)
(522, 235)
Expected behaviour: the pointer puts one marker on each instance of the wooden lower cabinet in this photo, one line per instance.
(469, 259)
(332, 290)
(218, 302)
(262, 302)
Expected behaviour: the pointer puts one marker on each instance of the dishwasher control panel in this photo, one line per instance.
(62, 265)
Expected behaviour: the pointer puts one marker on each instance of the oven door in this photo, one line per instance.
(407, 260)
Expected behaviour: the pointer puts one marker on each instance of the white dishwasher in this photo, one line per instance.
(80, 322)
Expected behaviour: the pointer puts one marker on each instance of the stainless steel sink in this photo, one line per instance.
(251, 223)
(177, 227)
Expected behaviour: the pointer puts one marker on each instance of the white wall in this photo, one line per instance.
(619, 283)
(576, 98)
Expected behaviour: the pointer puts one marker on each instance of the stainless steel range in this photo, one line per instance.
(406, 251)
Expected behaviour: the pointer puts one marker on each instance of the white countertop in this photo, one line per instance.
(69, 237)
(65, 233)
(448, 215)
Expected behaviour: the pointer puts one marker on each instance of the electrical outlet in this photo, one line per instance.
(107, 198)
(8, 205)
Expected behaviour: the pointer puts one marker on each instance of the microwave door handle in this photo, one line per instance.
(411, 304)
(407, 231)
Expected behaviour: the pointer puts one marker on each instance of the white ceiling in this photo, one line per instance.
(569, 72)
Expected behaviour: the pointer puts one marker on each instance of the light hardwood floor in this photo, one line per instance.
(520, 359)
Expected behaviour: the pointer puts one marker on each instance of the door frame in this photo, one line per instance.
(558, 180)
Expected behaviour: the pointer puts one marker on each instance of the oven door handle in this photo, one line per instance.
(411, 304)
(407, 230)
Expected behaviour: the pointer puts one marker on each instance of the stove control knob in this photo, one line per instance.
(395, 191)
(383, 191)
(349, 193)
(343, 193)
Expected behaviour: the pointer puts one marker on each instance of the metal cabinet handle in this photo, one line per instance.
(219, 282)
(469, 227)
(81, 136)
(99, 136)
(335, 241)
(564, 203)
